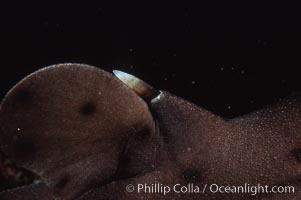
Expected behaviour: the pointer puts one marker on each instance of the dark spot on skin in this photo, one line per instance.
(143, 134)
(87, 109)
(23, 96)
(62, 182)
(24, 147)
(297, 154)
(192, 175)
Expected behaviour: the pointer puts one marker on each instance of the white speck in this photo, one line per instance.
(232, 68)
(131, 50)
(99, 93)
(165, 79)
(18, 129)
(153, 166)
(229, 107)
(222, 68)
(188, 149)
(193, 82)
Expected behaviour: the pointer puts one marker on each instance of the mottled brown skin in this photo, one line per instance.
(77, 126)
(190, 144)
(201, 148)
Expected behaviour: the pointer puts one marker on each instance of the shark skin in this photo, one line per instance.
(89, 136)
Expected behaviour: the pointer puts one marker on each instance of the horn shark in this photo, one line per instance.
(91, 135)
